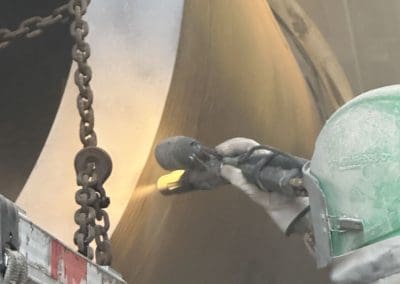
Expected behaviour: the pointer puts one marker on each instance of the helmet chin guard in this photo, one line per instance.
(353, 178)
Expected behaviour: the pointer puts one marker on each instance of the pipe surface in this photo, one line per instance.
(234, 76)
(134, 45)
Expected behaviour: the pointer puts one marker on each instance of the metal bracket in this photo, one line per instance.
(9, 235)
(345, 224)
(319, 217)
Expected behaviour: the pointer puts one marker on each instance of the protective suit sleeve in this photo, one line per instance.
(284, 210)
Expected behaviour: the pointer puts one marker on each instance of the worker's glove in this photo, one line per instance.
(284, 210)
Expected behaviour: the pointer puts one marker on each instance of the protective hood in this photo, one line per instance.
(353, 178)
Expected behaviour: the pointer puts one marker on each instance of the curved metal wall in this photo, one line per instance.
(234, 76)
(133, 46)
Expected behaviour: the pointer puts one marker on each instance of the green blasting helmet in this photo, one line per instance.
(353, 178)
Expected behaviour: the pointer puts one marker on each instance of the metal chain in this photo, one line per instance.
(34, 26)
(92, 164)
(85, 216)
(83, 75)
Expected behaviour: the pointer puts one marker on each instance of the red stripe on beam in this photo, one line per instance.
(67, 266)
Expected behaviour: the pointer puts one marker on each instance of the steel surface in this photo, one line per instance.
(234, 76)
(133, 54)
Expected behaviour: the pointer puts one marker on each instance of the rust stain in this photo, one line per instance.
(299, 25)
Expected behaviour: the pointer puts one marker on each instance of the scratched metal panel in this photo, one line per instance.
(93, 274)
(35, 245)
(105, 275)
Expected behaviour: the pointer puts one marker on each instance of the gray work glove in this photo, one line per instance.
(283, 209)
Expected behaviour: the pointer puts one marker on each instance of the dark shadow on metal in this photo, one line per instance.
(33, 74)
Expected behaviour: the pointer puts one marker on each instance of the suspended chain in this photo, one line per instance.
(83, 75)
(92, 164)
(93, 167)
(34, 26)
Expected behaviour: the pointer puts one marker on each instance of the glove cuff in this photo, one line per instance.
(289, 214)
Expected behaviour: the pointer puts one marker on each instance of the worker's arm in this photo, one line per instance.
(268, 176)
(288, 212)
(365, 265)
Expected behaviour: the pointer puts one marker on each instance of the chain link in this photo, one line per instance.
(83, 74)
(93, 221)
(93, 166)
(85, 216)
(34, 26)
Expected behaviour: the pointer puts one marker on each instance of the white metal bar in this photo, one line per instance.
(50, 261)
